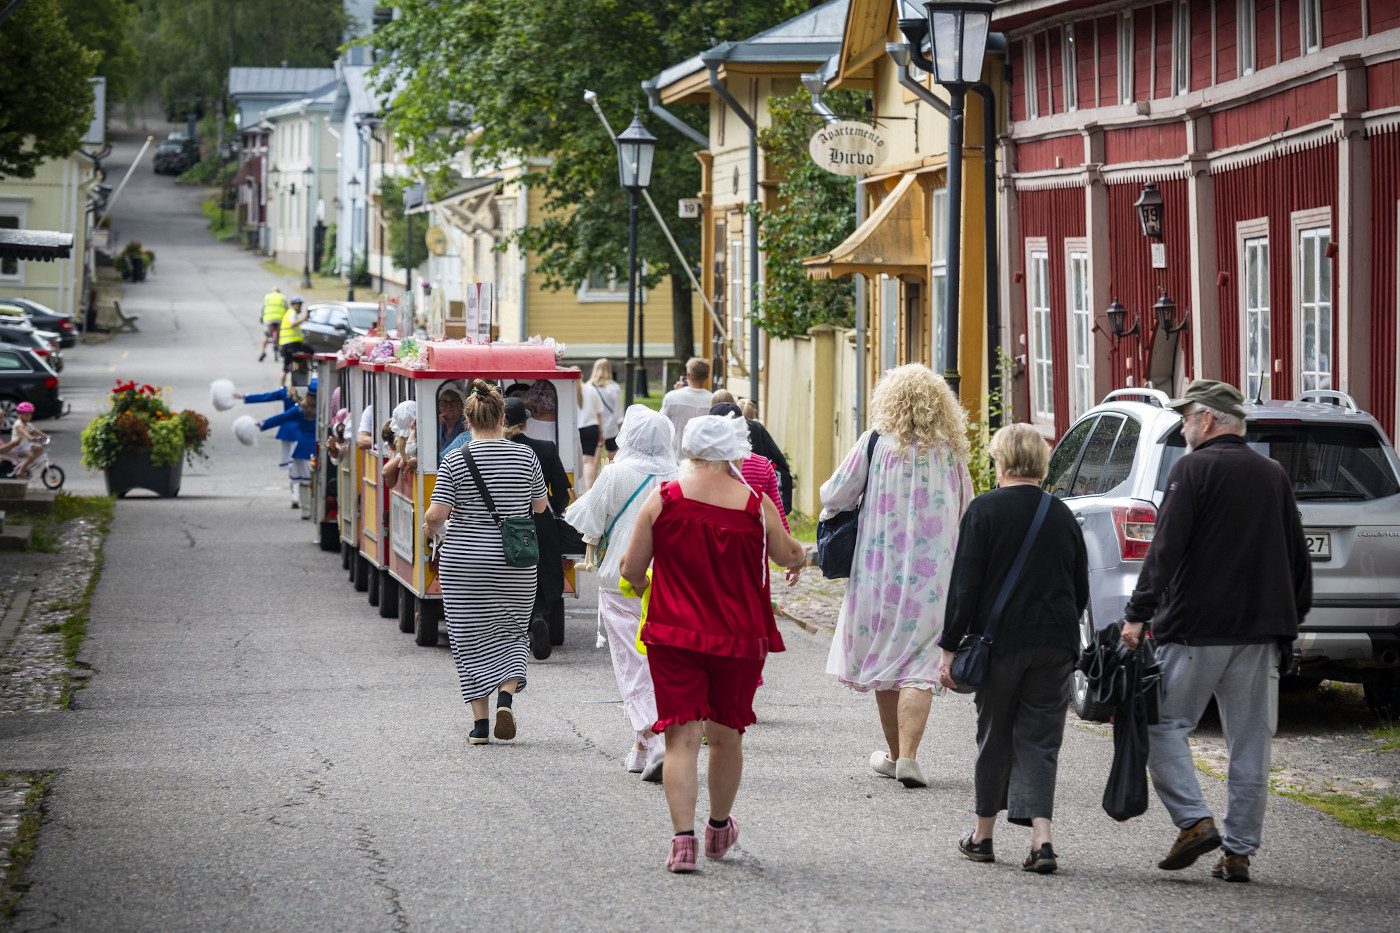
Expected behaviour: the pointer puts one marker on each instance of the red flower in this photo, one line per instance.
(148, 389)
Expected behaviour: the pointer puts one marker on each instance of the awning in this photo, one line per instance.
(41, 245)
(894, 240)
(251, 167)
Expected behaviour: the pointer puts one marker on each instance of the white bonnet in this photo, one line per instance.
(716, 438)
(405, 414)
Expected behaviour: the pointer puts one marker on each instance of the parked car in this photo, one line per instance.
(25, 377)
(330, 323)
(1111, 469)
(40, 343)
(172, 157)
(43, 318)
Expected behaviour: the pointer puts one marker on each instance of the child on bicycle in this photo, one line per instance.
(26, 441)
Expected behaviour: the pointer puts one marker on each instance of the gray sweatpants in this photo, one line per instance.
(1020, 725)
(1244, 681)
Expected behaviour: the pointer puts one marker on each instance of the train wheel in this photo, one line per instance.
(408, 607)
(429, 612)
(360, 573)
(388, 595)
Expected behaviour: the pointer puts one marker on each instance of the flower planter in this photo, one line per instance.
(136, 471)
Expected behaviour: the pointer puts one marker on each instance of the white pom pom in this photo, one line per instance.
(221, 394)
(245, 428)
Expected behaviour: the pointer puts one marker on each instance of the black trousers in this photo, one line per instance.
(1020, 725)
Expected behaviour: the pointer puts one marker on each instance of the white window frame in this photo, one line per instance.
(1071, 68)
(20, 211)
(1032, 99)
(1125, 57)
(1312, 225)
(938, 275)
(1248, 237)
(587, 294)
(1246, 36)
(1181, 47)
(738, 295)
(1310, 25)
(1079, 324)
(1040, 342)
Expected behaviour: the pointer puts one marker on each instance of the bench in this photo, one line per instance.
(125, 321)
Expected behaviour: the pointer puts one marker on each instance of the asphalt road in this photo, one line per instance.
(260, 751)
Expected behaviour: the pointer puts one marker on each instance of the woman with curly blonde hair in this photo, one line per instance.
(911, 470)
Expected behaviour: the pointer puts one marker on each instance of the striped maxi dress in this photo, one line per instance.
(486, 603)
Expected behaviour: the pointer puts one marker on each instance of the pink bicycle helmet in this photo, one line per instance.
(24, 407)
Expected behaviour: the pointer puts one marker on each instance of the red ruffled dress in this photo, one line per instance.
(710, 620)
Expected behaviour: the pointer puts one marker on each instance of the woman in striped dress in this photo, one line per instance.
(487, 602)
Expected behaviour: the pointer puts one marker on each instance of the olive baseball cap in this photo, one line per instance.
(1220, 396)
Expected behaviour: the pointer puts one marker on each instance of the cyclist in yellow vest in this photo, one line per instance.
(274, 307)
(290, 339)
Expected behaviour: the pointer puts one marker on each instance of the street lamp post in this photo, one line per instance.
(958, 31)
(635, 150)
(354, 188)
(310, 227)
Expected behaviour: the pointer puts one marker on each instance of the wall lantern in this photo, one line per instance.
(958, 31)
(1116, 317)
(1149, 208)
(1166, 315)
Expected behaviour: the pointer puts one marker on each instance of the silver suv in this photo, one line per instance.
(1111, 469)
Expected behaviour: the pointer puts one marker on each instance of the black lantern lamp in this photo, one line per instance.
(1166, 315)
(958, 30)
(1117, 314)
(635, 150)
(1149, 209)
(353, 188)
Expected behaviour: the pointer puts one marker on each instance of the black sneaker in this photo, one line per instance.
(977, 851)
(539, 637)
(1041, 861)
(481, 732)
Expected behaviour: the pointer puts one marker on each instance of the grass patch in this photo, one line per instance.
(1379, 816)
(803, 527)
(651, 401)
(222, 231)
(1389, 736)
(26, 838)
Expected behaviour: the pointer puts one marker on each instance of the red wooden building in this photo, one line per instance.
(1271, 130)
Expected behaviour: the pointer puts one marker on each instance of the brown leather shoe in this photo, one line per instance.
(1191, 843)
(1232, 867)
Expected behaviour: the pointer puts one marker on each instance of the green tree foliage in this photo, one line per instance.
(407, 252)
(816, 212)
(188, 46)
(514, 74)
(45, 99)
(104, 26)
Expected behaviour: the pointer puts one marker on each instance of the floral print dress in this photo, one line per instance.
(892, 615)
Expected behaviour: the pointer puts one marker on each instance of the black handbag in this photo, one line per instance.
(836, 536)
(974, 655)
(518, 539)
(570, 538)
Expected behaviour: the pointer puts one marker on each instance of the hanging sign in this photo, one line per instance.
(847, 147)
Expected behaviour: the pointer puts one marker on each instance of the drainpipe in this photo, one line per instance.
(816, 85)
(712, 60)
(671, 120)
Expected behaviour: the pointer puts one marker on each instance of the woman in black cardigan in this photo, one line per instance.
(1021, 706)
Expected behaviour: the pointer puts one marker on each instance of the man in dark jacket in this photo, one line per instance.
(1225, 585)
(549, 595)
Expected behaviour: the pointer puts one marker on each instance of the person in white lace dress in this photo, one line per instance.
(645, 459)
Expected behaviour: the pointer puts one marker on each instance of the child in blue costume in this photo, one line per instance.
(301, 418)
(294, 387)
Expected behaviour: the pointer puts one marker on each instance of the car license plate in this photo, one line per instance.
(1319, 544)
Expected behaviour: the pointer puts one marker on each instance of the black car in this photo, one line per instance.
(330, 323)
(172, 157)
(22, 335)
(24, 377)
(44, 318)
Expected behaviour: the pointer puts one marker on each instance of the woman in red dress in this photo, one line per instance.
(708, 538)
